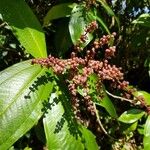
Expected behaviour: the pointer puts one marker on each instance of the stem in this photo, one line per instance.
(7, 49)
(2, 24)
(121, 98)
(98, 119)
(100, 123)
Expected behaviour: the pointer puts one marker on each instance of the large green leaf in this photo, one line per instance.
(58, 11)
(131, 116)
(146, 140)
(77, 25)
(62, 132)
(145, 95)
(64, 139)
(23, 87)
(25, 25)
(143, 20)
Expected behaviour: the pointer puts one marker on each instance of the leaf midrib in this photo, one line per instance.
(25, 23)
(30, 33)
(38, 101)
(21, 90)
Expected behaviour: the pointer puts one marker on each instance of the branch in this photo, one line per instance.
(119, 97)
(3, 24)
(7, 49)
(100, 123)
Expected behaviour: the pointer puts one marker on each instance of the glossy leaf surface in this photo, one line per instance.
(145, 95)
(23, 87)
(108, 105)
(131, 116)
(146, 140)
(143, 20)
(62, 132)
(77, 25)
(128, 128)
(109, 11)
(95, 16)
(58, 11)
(25, 26)
(96, 94)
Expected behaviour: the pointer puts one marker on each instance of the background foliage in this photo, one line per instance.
(33, 119)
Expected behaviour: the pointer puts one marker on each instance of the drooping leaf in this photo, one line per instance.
(143, 20)
(62, 38)
(145, 95)
(105, 101)
(23, 88)
(109, 11)
(58, 11)
(147, 134)
(25, 25)
(140, 129)
(131, 116)
(128, 128)
(95, 16)
(78, 24)
(64, 139)
(103, 24)
(108, 105)
(62, 132)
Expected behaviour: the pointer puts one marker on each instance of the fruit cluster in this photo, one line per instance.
(79, 69)
(90, 28)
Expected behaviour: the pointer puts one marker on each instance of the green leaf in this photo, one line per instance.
(25, 25)
(131, 116)
(27, 148)
(89, 139)
(103, 24)
(109, 11)
(62, 132)
(147, 63)
(62, 38)
(128, 128)
(23, 87)
(140, 129)
(78, 24)
(143, 20)
(64, 138)
(96, 93)
(146, 139)
(145, 95)
(58, 11)
(105, 101)
(108, 105)
(95, 16)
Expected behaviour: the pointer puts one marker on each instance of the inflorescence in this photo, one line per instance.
(78, 70)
